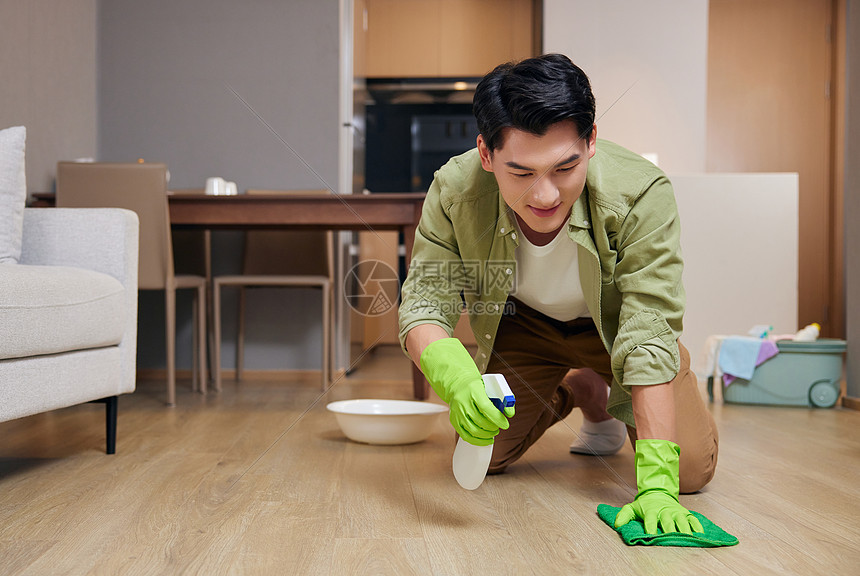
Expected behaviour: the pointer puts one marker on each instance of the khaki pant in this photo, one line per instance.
(535, 352)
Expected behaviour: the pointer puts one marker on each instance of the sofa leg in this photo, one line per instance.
(111, 403)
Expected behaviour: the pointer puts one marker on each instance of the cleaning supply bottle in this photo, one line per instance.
(760, 331)
(471, 462)
(808, 333)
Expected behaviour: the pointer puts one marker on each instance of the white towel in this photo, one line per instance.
(708, 364)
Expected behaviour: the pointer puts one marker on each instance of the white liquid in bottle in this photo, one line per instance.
(471, 462)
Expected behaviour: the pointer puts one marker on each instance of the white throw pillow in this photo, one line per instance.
(13, 192)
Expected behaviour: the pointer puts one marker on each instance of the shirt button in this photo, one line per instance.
(487, 336)
(508, 271)
(585, 222)
(502, 230)
(496, 307)
(514, 236)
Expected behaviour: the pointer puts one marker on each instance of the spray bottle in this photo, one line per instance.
(471, 462)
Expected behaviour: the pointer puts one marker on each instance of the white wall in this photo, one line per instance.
(647, 62)
(48, 81)
(739, 243)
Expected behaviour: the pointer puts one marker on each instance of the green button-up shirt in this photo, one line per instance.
(627, 231)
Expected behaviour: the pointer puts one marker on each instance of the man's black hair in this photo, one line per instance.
(532, 95)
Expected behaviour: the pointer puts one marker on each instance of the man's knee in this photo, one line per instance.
(696, 470)
(504, 455)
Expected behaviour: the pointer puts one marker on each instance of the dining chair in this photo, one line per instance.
(279, 258)
(142, 188)
(192, 255)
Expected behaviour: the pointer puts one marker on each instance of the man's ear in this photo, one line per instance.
(485, 154)
(592, 141)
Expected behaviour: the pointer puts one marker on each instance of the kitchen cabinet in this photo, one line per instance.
(444, 38)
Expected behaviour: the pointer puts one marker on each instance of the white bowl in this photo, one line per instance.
(386, 421)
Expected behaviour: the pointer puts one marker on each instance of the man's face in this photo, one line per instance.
(540, 177)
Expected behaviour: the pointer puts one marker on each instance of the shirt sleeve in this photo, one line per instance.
(648, 275)
(430, 295)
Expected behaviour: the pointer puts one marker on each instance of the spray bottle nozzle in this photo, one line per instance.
(498, 391)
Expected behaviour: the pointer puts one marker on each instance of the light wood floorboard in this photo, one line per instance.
(260, 480)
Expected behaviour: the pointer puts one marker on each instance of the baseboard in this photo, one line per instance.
(851, 403)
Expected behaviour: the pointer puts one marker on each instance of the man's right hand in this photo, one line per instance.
(453, 375)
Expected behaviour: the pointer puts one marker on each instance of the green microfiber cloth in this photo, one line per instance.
(633, 533)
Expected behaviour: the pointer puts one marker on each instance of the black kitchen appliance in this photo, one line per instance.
(413, 128)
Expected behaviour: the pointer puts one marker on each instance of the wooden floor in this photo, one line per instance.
(260, 480)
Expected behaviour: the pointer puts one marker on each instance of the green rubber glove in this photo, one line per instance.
(453, 375)
(656, 502)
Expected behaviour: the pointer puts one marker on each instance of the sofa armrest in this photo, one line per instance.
(100, 239)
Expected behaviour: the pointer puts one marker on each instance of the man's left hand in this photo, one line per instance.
(660, 508)
(657, 463)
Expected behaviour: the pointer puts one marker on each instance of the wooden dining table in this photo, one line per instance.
(360, 212)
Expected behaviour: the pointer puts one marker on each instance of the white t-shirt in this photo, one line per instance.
(548, 278)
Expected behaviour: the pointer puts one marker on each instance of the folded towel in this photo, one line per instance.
(633, 533)
(767, 351)
(738, 355)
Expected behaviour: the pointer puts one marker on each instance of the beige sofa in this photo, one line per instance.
(68, 313)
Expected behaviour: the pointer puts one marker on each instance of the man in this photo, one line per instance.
(566, 252)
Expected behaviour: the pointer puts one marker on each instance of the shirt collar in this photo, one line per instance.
(506, 224)
(579, 217)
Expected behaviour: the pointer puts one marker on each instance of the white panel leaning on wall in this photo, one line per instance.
(739, 235)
